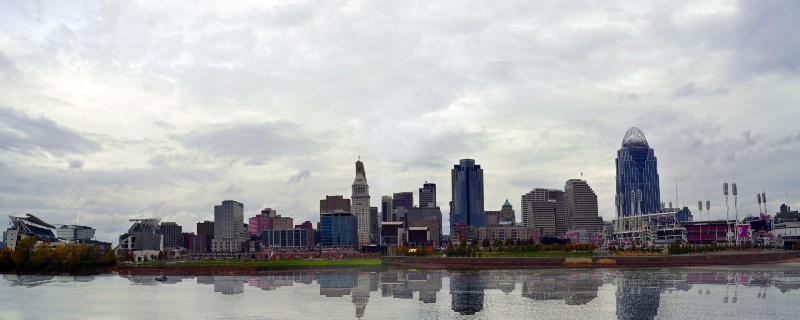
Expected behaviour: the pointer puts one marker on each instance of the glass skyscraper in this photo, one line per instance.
(338, 229)
(467, 203)
(637, 170)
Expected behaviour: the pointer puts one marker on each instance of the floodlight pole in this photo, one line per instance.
(727, 213)
(736, 207)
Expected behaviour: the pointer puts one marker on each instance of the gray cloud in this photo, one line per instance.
(189, 104)
(764, 41)
(26, 135)
(255, 142)
(691, 89)
(302, 176)
(7, 66)
(76, 164)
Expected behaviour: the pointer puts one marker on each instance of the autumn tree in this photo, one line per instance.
(25, 249)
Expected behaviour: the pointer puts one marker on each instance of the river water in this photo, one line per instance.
(732, 292)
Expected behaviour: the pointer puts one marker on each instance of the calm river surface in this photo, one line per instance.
(734, 292)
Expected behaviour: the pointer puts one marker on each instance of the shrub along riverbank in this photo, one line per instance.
(70, 258)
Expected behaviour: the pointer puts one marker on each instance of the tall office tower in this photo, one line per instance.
(637, 170)
(360, 200)
(467, 194)
(560, 223)
(427, 195)
(582, 212)
(229, 232)
(543, 217)
(386, 209)
(205, 230)
(333, 203)
(403, 199)
(374, 225)
(172, 235)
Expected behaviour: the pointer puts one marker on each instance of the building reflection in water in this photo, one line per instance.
(28, 281)
(574, 288)
(402, 284)
(638, 296)
(466, 289)
(638, 292)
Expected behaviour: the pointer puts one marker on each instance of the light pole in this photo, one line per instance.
(728, 230)
(700, 208)
(736, 207)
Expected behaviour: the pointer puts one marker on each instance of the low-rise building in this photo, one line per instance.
(294, 238)
(503, 233)
(196, 243)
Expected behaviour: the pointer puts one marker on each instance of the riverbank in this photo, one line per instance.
(702, 259)
(241, 267)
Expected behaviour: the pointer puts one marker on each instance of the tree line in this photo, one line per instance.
(70, 258)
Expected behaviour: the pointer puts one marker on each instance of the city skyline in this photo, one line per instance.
(123, 110)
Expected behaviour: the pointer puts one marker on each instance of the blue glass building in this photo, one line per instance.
(338, 228)
(636, 170)
(467, 203)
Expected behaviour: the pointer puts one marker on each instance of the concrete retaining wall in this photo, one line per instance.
(725, 258)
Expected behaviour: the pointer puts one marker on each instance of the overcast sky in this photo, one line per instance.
(165, 108)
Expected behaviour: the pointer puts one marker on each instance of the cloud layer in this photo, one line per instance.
(109, 111)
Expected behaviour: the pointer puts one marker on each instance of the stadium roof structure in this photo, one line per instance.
(33, 226)
(144, 225)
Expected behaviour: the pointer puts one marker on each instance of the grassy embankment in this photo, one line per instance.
(545, 254)
(269, 263)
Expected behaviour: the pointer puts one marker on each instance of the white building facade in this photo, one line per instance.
(360, 205)
(229, 231)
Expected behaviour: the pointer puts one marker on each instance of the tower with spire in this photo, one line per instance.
(360, 205)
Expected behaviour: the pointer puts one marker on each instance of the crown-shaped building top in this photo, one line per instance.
(634, 138)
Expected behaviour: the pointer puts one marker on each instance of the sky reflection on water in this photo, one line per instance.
(753, 292)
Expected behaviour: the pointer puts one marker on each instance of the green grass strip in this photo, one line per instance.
(282, 263)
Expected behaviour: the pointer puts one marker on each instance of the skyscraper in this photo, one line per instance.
(636, 170)
(541, 211)
(360, 200)
(386, 209)
(467, 194)
(427, 195)
(402, 199)
(205, 232)
(374, 225)
(171, 233)
(582, 212)
(229, 232)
